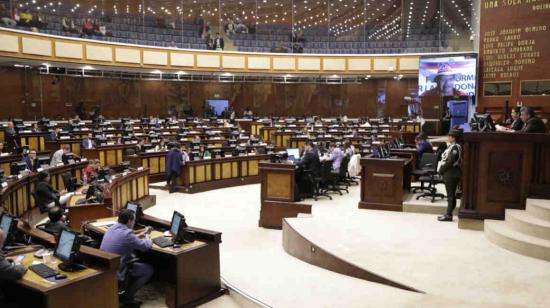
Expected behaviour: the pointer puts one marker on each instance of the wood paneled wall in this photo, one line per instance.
(29, 95)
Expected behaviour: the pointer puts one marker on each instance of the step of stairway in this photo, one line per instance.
(504, 235)
(524, 222)
(539, 208)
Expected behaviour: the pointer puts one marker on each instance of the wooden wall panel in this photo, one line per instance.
(514, 46)
(57, 96)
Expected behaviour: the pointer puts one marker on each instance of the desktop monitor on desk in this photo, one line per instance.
(67, 250)
(136, 208)
(8, 225)
(43, 161)
(17, 168)
(178, 229)
(293, 154)
(68, 158)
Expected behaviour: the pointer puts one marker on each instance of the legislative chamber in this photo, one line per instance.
(274, 153)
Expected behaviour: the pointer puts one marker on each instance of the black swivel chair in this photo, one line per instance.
(427, 163)
(319, 190)
(432, 177)
(123, 284)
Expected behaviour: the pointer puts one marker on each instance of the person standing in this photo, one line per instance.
(218, 42)
(449, 168)
(173, 167)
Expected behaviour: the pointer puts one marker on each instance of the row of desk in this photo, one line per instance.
(190, 273)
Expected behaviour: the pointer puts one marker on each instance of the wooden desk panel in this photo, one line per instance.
(16, 197)
(73, 144)
(501, 170)
(191, 272)
(109, 155)
(277, 195)
(132, 187)
(208, 174)
(34, 141)
(93, 287)
(383, 182)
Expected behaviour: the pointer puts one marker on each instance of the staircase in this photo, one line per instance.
(526, 232)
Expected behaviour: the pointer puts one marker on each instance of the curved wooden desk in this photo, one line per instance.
(208, 174)
(16, 197)
(108, 155)
(133, 186)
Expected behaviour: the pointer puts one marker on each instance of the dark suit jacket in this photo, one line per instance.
(31, 164)
(88, 144)
(45, 194)
(55, 228)
(534, 125)
(311, 162)
(173, 162)
(517, 125)
(9, 271)
(220, 44)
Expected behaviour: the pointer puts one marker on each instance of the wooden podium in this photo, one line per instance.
(501, 170)
(277, 198)
(383, 182)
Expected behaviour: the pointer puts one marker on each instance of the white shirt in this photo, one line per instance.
(57, 158)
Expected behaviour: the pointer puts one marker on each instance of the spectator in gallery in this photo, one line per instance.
(25, 18)
(87, 27)
(218, 42)
(15, 16)
(445, 82)
(210, 43)
(6, 17)
(67, 24)
(230, 27)
(39, 21)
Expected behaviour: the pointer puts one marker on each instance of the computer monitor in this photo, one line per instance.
(17, 168)
(376, 152)
(68, 158)
(293, 154)
(132, 207)
(178, 228)
(483, 123)
(66, 250)
(43, 161)
(7, 225)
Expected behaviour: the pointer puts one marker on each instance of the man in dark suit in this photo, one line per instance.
(46, 196)
(57, 221)
(532, 123)
(88, 142)
(9, 271)
(54, 134)
(30, 160)
(173, 166)
(218, 42)
(310, 163)
(11, 138)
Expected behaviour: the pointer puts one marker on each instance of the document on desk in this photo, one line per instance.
(103, 223)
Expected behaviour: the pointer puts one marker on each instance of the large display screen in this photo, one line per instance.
(218, 106)
(447, 76)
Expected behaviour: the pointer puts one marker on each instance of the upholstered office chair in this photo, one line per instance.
(432, 177)
(427, 163)
(342, 181)
(330, 178)
(123, 284)
(318, 188)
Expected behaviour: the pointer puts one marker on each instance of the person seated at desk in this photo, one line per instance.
(336, 155)
(196, 139)
(204, 153)
(310, 161)
(35, 128)
(173, 166)
(422, 145)
(57, 157)
(517, 122)
(10, 137)
(533, 124)
(46, 196)
(120, 239)
(30, 160)
(349, 149)
(88, 142)
(161, 146)
(9, 271)
(184, 154)
(54, 134)
(90, 172)
(57, 221)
